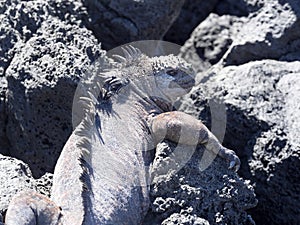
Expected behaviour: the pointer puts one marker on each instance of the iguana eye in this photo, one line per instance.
(171, 72)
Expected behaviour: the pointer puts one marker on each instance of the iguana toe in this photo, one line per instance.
(229, 155)
(235, 163)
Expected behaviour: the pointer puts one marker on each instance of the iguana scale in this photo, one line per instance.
(102, 174)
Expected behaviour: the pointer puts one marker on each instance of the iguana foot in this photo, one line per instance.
(231, 157)
(185, 129)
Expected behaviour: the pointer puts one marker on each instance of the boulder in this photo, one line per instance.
(42, 78)
(15, 176)
(118, 22)
(262, 107)
(210, 40)
(270, 33)
(270, 30)
(260, 96)
(191, 14)
(185, 192)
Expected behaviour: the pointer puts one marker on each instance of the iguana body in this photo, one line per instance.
(101, 176)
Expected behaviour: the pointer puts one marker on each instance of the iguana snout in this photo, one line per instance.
(173, 76)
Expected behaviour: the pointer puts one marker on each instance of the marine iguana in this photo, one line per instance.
(102, 174)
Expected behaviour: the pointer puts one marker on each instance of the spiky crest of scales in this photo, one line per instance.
(149, 75)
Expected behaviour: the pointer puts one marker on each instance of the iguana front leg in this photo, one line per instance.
(31, 208)
(182, 128)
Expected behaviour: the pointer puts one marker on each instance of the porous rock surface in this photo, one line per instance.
(43, 54)
(3, 139)
(117, 22)
(272, 32)
(251, 64)
(192, 13)
(210, 40)
(42, 79)
(181, 193)
(261, 100)
(15, 175)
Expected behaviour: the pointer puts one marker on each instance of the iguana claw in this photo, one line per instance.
(229, 155)
(235, 164)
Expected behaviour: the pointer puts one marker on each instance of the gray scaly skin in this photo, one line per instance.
(102, 175)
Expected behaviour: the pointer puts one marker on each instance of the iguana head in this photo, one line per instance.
(173, 76)
(166, 77)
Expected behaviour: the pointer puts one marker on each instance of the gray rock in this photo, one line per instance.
(270, 33)
(210, 40)
(25, 17)
(44, 184)
(71, 12)
(20, 20)
(192, 13)
(271, 30)
(261, 98)
(15, 176)
(7, 43)
(181, 193)
(178, 218)
(4, 147)
(238, 7)
(42, 79)
(117, 22)
(262, 102)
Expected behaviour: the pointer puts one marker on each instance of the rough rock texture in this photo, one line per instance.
(183, 194)
(192, 13)
(14, 177)
(36, 45)
(262, 102)
(42, 79)
(272, 32)
(261, 97)
(120, 21)
(195, 12)
(238, 8)
(44, 184)
(210, 40)
(3, 139)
